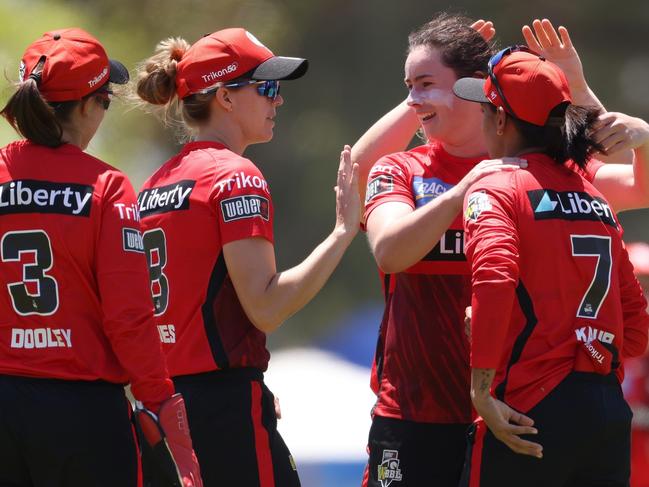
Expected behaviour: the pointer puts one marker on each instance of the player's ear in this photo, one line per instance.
(223, 98)
(501, 120)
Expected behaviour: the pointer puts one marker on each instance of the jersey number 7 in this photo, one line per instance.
(600, 247)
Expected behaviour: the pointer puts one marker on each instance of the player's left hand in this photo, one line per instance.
(278, 409)
(556, 47)
(618, 132)
(507, 425)
(348, 207)
(485, 28)
(467, 322)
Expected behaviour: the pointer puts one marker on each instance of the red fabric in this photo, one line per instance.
(262, 443)
(225, 198)
(425, 367)
(76, 64)
(521, 73)
(509, 233)
(102, 328)
(221, 56)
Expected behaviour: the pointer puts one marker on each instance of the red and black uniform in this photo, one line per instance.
(556, 309)
(201, 199)
(636, 392)
(421, 371)
(75, 319)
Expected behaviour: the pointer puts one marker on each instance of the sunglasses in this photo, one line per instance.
(493, 62)
(269, 89)
(103, 96)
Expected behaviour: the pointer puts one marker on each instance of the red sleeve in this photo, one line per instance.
(634, 310)
(388, 181)
(492, 251)
(123, 282)
(241, 199)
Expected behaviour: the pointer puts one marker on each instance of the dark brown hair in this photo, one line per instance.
(568, 134)
(460, 46)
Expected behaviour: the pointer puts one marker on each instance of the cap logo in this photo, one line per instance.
(255, 40)
(95, 81)
(493, 95)
(215, 75)
(21, 71)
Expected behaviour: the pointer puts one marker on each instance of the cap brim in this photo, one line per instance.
(279, 67)
(470, 89)
(118, 73)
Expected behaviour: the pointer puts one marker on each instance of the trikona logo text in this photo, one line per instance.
(97, 79)
(216, 75)
(241, 180)
(30, 196)
(570, 205)
(41, 338)
(245, 207)
(165, 198)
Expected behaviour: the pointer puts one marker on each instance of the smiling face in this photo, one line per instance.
(254, 113)
(442, 115)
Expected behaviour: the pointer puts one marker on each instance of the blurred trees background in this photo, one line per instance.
(356, 49)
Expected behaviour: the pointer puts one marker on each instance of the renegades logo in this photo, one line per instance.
(380, 184)
(244, 207)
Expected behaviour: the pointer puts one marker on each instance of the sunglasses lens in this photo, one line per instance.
(269, 89)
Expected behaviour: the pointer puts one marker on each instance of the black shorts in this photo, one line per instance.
(410, 454)
(234, 428)
(584, 427)
(65, 433)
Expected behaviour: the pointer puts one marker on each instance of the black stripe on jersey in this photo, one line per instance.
(379, 352)
(525, 302)
(209, 321)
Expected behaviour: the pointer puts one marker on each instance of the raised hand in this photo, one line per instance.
(618, 131)
(485, 28)
(348, 209)
(487, 167)
(555, 47)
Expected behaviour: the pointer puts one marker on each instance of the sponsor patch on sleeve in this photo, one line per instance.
(383, 183)
(132, 239)
(247, 206)
(476, 204)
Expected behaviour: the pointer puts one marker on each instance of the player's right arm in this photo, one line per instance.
(269, 297)
(400, 236)
(123, 283)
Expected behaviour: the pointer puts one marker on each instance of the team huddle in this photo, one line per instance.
(511, 302)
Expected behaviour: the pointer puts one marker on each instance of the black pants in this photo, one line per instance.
(584, 427)
(410, 454)
(234, 429)
(58, 433)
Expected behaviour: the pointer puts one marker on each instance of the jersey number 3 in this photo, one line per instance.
(37, 293)
(600, 247)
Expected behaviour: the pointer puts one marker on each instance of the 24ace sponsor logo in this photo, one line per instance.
(427, 189)
(389, 470)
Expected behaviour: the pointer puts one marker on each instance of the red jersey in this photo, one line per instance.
(422, 363)
(553, 288)
(74, 301)
(421, 369)
(201, 199)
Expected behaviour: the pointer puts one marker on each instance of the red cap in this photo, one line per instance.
(639, 257)
(229, 54)
(532, 85)
(75, 65)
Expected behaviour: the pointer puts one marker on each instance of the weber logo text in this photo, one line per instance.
(30, 196)
(570, 205)
(132, 240)
(165, 198)
(244, 207)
